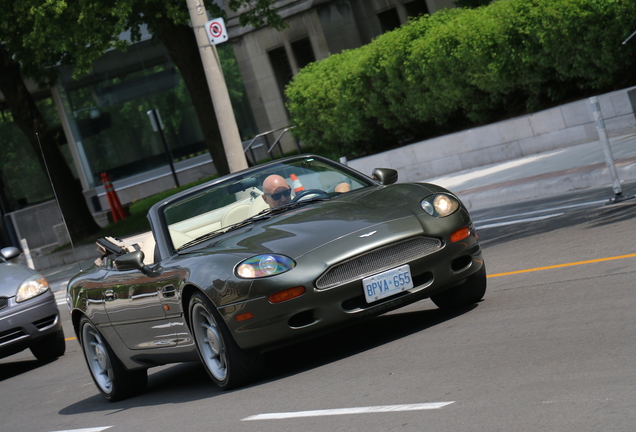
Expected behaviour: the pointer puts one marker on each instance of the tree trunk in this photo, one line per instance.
(29, 119)
(184, 51)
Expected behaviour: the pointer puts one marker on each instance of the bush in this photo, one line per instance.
(460, 68)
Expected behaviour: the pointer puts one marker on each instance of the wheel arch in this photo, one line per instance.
(186, 294)
(76, 316)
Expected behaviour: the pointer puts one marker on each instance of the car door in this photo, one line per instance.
(138, 308)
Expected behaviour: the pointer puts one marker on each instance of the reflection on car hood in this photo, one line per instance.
(302, 229)
(11, 276)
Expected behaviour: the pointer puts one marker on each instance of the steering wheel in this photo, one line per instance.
(306, 194)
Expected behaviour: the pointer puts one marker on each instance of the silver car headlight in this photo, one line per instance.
(32, 287)
(264, 265)
(440, 205)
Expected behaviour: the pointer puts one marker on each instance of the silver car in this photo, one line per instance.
(29, 317)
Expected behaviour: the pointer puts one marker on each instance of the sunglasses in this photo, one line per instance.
(278, 195)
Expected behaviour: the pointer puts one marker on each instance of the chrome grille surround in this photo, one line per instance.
(377, 261)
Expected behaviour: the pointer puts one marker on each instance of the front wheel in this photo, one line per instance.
(469, 292)
(113, 380)
(227, 364)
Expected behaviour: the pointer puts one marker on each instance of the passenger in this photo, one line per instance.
(342, 188)
(276, 191)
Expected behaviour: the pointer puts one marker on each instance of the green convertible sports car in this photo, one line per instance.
(264, 257)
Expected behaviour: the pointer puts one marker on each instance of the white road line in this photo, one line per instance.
(345, 411)
(517, 221)
(60, 297)
(96, 429)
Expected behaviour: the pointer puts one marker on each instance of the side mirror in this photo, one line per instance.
(385, 176)
(9, 253)
(130, 261)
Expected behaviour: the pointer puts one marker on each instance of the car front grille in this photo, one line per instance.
(4, 302)
(12, 335)
(377, 261)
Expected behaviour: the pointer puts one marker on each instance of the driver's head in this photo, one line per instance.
(276, 191)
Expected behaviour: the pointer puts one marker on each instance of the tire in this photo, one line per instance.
(50, 348)
(228, 365)
(471, 291)
(112, 379)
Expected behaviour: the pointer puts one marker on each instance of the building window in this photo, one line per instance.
(282, 69)
(389, 20)
(416, 8)
(303, 52)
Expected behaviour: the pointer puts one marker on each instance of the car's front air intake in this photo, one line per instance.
(378, 260)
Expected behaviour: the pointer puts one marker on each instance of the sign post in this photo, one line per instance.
(218, 89)
(607, 150)
(157, 126)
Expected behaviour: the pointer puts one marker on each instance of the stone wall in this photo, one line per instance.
(555, 128)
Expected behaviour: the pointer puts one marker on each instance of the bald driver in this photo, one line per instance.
(276, 191)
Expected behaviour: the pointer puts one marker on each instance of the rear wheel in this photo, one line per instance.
(50, 348)
(469, 292)
(113, 380)
(227, 364)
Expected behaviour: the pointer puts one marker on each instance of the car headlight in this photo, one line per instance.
(264, 265)
(440, 205)
(32, 287)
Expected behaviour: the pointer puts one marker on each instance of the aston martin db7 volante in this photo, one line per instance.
(265, 257)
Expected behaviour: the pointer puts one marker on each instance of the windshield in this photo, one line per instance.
(228, 203)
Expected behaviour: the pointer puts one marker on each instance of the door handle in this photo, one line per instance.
(168, 291)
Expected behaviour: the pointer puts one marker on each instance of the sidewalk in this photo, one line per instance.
(545, 174)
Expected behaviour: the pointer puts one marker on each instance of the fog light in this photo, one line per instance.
(287, 294)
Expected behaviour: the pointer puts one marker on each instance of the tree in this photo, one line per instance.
(35, 36)
(19, 60)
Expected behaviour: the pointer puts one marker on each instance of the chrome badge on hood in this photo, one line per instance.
(369, 234)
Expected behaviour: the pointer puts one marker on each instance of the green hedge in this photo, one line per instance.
(460, 68)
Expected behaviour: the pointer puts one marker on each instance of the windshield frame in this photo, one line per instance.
(159, 221)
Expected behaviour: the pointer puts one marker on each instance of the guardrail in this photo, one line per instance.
(250, 147)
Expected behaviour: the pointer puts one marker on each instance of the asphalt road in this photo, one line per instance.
(550, 348)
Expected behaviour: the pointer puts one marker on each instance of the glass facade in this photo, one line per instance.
(108, 114)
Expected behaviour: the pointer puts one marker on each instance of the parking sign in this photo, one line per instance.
(216, 31)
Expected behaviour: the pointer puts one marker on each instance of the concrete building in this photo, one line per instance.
(268, 59)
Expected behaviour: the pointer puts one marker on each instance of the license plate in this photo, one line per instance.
(387, 283)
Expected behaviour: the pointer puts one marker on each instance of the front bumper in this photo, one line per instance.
(23, 324)
(321, 310)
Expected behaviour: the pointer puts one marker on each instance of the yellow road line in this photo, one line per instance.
(533, 270)
(563, 265)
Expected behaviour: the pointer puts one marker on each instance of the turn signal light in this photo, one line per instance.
(244, 316)
(287, 294)
(460, 234)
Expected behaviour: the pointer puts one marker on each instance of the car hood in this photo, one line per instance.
(11, 276)
(371, 214)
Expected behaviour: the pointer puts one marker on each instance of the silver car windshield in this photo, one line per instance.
(238, 199)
